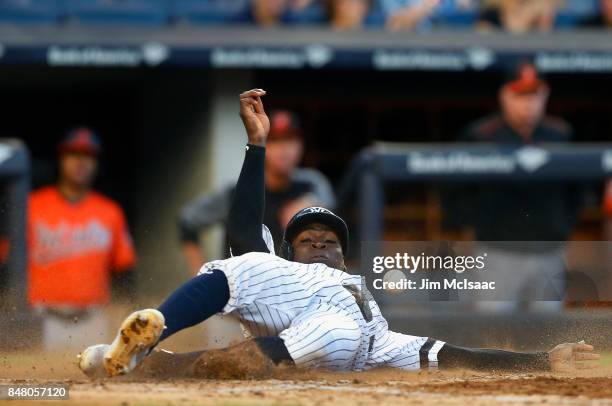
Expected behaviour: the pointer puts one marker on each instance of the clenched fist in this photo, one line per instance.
(254, 117)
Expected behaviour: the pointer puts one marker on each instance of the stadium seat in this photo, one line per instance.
(452, 15)
(581, 7)
(30, 11)
(574, 11)
(375, 17)
(564, 20)
(130, 12)
(313, 14)
(457, 20)
(446, 16)
(211, 11)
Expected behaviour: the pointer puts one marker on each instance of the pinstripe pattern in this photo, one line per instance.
(318, 318)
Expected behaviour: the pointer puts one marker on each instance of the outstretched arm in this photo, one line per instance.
(411, 352)
(245, 220)
(563, 357)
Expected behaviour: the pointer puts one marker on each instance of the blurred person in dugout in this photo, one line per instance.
(522, 226)
(518, 16)
(79, 247)
(603, 19)
(607, 232)
(288, 190)
(342, 14)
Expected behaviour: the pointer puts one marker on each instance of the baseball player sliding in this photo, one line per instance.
(300, 307)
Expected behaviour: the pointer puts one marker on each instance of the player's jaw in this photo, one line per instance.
(78, 169)
(318, 244)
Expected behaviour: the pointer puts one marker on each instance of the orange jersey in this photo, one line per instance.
(74, 247)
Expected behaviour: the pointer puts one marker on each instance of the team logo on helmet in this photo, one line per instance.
(317, 210)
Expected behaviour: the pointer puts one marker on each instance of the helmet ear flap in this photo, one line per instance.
(286, 251)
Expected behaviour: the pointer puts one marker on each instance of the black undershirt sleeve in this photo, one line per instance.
(451, 356)
(274, 348)
(245, 220)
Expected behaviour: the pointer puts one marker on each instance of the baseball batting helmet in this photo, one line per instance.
(310, 215)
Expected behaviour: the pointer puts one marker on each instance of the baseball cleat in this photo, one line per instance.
(138, 333)
(91, 360)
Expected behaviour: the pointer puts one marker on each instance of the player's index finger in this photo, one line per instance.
(583, 347)
(253, 93)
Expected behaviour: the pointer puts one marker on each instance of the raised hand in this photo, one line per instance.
(254, 117)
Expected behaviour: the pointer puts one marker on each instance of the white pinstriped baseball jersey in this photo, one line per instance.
(322, 314)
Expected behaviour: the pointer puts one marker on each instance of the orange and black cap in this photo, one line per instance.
(284, 124)
(524, 78)
(80, 139)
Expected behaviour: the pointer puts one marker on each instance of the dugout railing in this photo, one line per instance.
(15, 184)
(231, 47)
(447, 163)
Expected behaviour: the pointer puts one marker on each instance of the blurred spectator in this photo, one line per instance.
(269, 12)
(288, 190)
(415, 15)
(518, 16)
(347, 14)
(78, 245)
(408, 15)
(601, 20)
(342, 14)
(521, 226)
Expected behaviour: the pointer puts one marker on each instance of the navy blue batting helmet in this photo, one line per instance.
(311, 215)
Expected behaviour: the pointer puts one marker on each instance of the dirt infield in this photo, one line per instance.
(379, 387)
